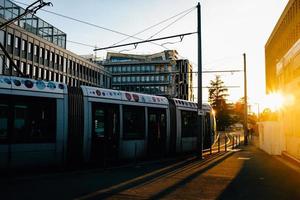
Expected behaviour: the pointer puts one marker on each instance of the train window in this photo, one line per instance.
(99, 128)
(189, 123)
(133, 122)
(34, 120)
(3, 122)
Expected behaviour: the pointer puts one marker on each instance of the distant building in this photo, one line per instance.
(39, 50)
(282, 52)
(160, 73)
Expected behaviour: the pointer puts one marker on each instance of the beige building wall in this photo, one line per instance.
(282, 52)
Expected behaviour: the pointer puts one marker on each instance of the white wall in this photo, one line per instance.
(271, 139)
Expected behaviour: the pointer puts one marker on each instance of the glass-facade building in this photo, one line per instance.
(159, 74)
(39, 50)
(32, 24)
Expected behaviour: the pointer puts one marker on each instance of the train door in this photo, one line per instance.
(105, 133)
(156, 132)
(207, 142)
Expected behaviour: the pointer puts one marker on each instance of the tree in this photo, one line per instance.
(240, 112)
(218, 94)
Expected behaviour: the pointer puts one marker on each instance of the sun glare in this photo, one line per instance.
(273, 101)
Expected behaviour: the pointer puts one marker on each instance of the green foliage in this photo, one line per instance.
(217, 98)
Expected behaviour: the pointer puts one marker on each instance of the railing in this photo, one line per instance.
(226, 141)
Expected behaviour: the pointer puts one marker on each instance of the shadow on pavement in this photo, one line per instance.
(263, 177)
(195, 166)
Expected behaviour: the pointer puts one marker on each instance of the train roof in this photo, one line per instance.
(190, 104)
(27, 84)
(123, 95)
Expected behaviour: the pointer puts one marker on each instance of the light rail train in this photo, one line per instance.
(48, 123)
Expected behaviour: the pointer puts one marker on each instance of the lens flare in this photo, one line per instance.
(274, 101)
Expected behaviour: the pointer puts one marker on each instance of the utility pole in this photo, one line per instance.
(200, 113)
(245, 103)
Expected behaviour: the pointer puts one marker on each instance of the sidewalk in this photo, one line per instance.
(248, 173)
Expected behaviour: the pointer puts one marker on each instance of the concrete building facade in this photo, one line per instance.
(282, 52)
(160, 73)
(39, 50)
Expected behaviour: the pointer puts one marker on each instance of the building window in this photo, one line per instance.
(138, 79)
(22, 68)
(34, 71)
(55, 58)
(23, 45)
(152, 78)
(147, 68)
(29, 47)
(128, 78)
(162, 78)
(138, 68)
(39, 72)
(152, 68)
(35, 49)
(9, 39)
(46, 54)
(41, 52)
(17, 39)
(28, 69)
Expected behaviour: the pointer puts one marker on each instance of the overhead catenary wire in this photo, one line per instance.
(104, 28)
(152, 26)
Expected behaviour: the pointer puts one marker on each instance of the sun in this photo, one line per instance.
(273, 101)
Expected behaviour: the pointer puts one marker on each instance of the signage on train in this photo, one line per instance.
(18, 83)
(123, 95)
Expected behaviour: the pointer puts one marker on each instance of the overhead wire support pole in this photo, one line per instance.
(200, 113)
(245, 103)
(145, 41)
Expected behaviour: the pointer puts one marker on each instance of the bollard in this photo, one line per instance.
(239, 140)
(219, 144)
(232, 142)
(210, 149)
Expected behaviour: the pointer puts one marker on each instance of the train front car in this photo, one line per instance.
(184, 126)
(210, 131)
(123, 125)
(33, 123)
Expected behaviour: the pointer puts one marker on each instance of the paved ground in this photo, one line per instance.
(245, 174)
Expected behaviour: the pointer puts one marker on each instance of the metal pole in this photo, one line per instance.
(245, 103)
(200, 123)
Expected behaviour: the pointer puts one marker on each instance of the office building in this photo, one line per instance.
(160, 73)
(39, 50)
(282, 52)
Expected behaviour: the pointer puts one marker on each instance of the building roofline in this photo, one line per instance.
(286, 9)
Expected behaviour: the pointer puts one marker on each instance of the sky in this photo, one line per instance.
(229, 29)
